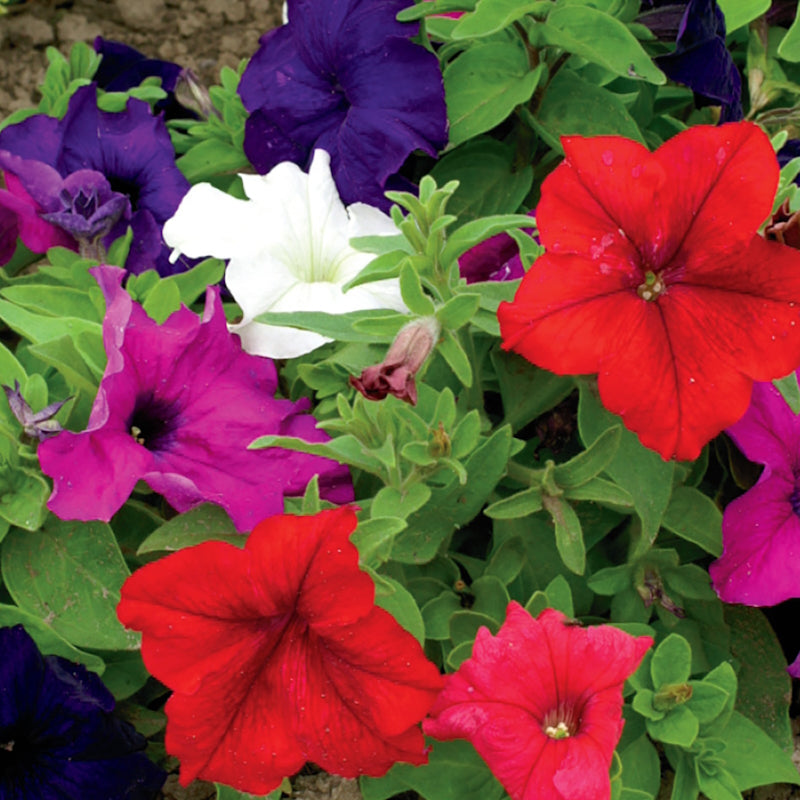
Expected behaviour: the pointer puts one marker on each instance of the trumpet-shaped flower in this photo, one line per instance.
(177, 407)
(58, 737)
(655, 279)
(130, 149)
(344, 77)
(760, 562)
(278, 655)
(542, 703)
(289, 250)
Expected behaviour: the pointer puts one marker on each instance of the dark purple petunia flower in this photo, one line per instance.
(131, 150)
(124, 67)
(58, 738)
(177, 407)
(344, 77)
(700, 60)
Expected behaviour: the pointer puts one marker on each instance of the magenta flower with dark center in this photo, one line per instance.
(177, 407)
(131, 150)
(344, 77)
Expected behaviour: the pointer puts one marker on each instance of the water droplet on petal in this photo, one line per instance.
(607, 157)
(636, 171)
(720, 155)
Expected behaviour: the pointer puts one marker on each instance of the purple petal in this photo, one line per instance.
(37, 138)
(41, 181)
(124, 67)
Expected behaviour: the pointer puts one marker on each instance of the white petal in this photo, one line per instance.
(210, 222)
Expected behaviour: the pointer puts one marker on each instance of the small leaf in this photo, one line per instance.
(569, 534)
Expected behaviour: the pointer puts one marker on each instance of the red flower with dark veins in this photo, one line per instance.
(277, 655)
(541, 703)
(655, 278)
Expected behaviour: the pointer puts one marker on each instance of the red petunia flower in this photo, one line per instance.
(541, 702)
(277, 655)
(654, 278)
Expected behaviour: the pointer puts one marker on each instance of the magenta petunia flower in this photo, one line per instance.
(177, 407)
(130, 149)
(542, 703)
(344, 77)
(760, 562)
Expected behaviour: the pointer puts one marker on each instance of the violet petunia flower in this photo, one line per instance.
(494, 259)
(344, 77)
(700, 60)
(130, 149)
(177, 407)
(58, 737)
(760, 563)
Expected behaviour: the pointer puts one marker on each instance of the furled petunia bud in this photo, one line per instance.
(395, 374)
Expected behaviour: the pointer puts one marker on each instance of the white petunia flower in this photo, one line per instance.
(289, 250)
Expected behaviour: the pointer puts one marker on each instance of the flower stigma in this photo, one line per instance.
(560, 731)
(652, 288)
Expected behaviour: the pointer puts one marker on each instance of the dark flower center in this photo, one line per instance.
(562, 722)
(154, 423)
(82, 204)
(126, 187)
(17, 757)
(794, 498)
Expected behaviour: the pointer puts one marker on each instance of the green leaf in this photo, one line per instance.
(161, 301)
(69, 574)
(206, 522)
(707, 701)
(393, 597)
(454, 772)
(694, 516)
(472, 233)
(591, 462)
(598, 490)
(40, 329)
(752, 758)
(55, 301)
(491, 16)
(389, 502)
(641, 767)
(458, 310)
(464, 625)
(573, 106)
(484, 85)
(788, 386)
(559, 596)
(641, 472)
(601, 39)
(436, 615)
(23, 495)
(211, 157)
(412, 292)
(507, 560)
(739, 12)
(374, 538)
(453, 353)
(679, 727)
(672, 661)
(47, 640)
(491, 597)
(340, 327)
(229, 793)
(489, 182)
(125, 674)
(764, 683)
(569, 534)
(521, 504)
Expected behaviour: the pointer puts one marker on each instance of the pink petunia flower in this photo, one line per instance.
(277, 655)
(760, 562)
(177, 407)
(542, 703)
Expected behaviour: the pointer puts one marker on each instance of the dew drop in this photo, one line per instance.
(605, 269)
(692, 380)
(720, 155)
(595, 251)
(636, 171)
(607, 240)
(607, 157)
(470, 689)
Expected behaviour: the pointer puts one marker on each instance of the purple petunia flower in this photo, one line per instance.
(344, 77)
(760, 563)
(58, 737)
(700, 60)
(177, 407)
(131, 150)
(494, 259)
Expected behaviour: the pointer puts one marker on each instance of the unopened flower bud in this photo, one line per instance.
(395, 374)
(40, 425)
(784, 227)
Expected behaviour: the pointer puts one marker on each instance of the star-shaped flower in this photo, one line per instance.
(654, 277)
(542, 703)
(277, 655)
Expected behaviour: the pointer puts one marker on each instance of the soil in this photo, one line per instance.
(204, 35)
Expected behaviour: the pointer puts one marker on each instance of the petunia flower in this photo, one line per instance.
(289, 250)
(541, 702)
(656, 280)
(760, 562)
(701, 59)
(277, 655)
(58, 737)
(177, 407)
(494, 259)
(396, 374)
(130, 149)
(344, 77)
